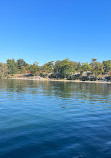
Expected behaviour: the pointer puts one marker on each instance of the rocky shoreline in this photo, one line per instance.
(60, 80)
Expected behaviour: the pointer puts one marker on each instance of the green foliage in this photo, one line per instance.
(86, 67)
(63, 69)
(59, 69)
(48, 67)
(78, 66)
(96, 67)
(23, 70)
(34, 69)
(12, 66)
(3, 70)
(20, 63)
(107, 65)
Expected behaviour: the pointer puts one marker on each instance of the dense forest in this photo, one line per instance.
(64, 69)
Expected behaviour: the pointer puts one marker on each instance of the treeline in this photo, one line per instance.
(58, 69)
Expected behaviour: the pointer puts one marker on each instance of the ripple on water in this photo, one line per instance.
(52, 120)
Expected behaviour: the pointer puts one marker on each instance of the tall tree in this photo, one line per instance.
(107, 65)
(48, 67)
(3, 70)
(64, 69)
(12, 66)
(86, 67)
(22, 70)
(96, 67)
(57, 68)
(34, 69)
(21, 63)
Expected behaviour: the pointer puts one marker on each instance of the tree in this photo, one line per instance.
(64, 69)
(48, 67)
(21, 63)
(96, 67)
(67, 68)
(79, 68)
(94, 60)
(12, 66)
(23, 70)
(86, 67)
(107, 65)
(34, 69)
(3, 70)
(57, 68)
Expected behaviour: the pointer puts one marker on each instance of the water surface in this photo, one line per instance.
(54, 119)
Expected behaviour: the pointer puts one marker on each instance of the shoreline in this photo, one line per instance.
(60, 80)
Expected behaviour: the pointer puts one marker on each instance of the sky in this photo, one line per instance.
(46, 30)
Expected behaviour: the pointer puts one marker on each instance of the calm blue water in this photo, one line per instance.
(54, 120)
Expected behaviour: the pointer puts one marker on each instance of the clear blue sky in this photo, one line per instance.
(44, 30)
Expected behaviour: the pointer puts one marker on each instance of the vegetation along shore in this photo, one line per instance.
(65, 70)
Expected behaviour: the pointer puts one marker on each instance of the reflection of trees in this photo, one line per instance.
(86, 91)
(18, 86)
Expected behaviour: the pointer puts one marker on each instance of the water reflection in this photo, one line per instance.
(92, 92)
(54, 119)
